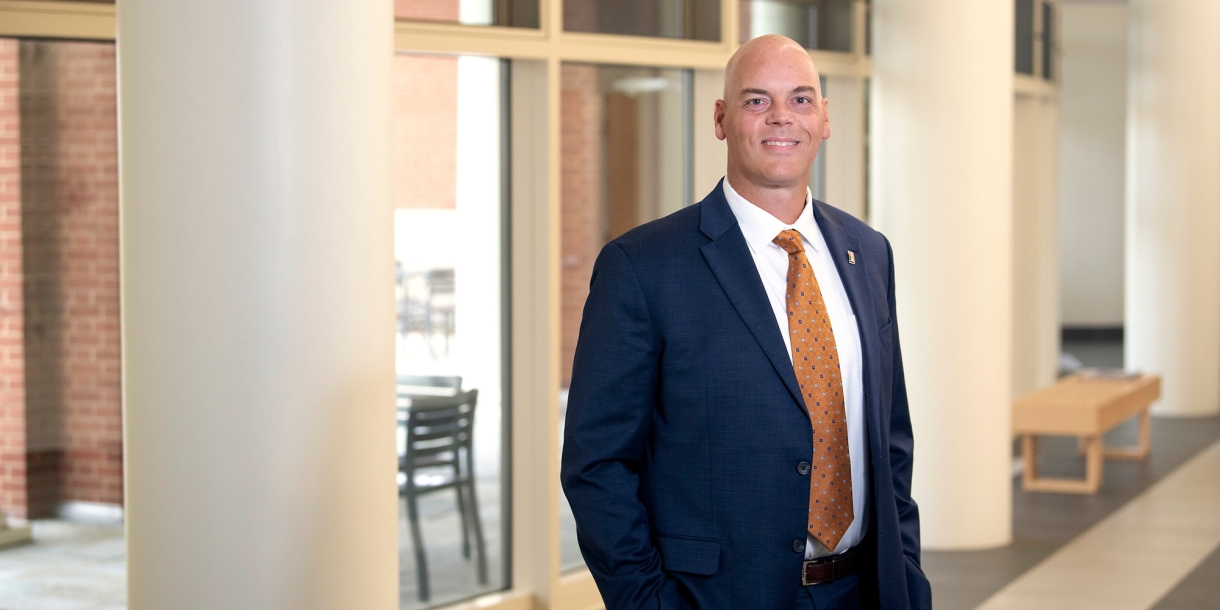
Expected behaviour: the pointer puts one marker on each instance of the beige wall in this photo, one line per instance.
(1035, 315)
(1091, 161)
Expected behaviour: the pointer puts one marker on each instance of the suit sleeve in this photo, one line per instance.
(609, 420)
(901, 460)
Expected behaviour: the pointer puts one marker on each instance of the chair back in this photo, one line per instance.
(439, 430)
(449, 382)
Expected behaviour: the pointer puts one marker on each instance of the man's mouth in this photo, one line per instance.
(779, 143)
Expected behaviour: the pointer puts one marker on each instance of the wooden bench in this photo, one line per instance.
(1085, 407)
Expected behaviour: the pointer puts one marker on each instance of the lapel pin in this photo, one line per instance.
(851, 257)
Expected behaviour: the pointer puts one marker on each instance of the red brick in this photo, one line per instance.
(69, 295)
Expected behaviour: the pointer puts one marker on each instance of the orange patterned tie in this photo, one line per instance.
(816, 362)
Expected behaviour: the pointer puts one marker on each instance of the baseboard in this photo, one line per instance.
(13, 536)
(90, 512)
(1092, 334)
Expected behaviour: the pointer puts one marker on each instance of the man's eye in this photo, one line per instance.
(754, 102)
(803, 100)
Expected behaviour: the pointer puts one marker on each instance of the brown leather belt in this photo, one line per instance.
(828, 569)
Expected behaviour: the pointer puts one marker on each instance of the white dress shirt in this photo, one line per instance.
(759, 227)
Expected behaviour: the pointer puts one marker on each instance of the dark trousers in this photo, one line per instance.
(842, 594)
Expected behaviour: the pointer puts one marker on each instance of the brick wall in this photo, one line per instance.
(12, 343)
(581, 222)
(69, 204)
(425, 131)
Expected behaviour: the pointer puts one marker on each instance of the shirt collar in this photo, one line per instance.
(759, 227)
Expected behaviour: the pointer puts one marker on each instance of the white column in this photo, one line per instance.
(258, 315)
(1173, 201)
(941, 190)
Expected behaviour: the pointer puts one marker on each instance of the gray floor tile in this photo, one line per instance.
(1044, 522)
(1200, 589)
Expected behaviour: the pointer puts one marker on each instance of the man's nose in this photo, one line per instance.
(779, 115)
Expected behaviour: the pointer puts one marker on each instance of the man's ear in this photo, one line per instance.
(718, 118)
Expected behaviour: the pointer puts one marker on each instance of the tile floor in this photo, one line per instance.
(1045, 523)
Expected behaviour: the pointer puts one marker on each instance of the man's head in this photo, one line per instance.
(773, 115)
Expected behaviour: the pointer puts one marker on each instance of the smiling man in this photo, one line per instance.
(737, 433)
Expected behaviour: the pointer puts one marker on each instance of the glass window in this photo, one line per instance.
(61, 472)
(817, 24)
(449, 247)
(817, 172)
(1048, 41)
(685, 19)
(626, 161)
(1025, 37)
(513, 13)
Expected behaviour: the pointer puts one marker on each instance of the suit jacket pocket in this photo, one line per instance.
(700, 557)
(887, 333)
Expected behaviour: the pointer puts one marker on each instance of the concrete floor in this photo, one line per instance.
(82, 566)
(70, 566)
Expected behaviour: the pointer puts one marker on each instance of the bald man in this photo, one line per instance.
(737, 432)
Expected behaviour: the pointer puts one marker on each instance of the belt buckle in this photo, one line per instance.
(805, 572)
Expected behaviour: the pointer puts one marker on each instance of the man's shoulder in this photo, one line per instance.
(666, 236)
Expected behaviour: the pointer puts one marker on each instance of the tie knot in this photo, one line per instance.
(790, 240)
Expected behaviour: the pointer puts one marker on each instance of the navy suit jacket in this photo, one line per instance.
(685, 424)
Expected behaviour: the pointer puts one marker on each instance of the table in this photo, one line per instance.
(1085, 407)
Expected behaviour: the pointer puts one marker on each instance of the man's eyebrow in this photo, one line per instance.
(800, 89)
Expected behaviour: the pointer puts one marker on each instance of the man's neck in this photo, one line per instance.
(783, 202)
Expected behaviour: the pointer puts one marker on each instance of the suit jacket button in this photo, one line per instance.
(798, 546)
(802, 467)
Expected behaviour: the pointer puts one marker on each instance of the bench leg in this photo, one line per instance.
(1142, 447)
(1093, 464)
(1029, 452)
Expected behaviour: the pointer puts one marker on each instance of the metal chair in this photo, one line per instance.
(439, 441)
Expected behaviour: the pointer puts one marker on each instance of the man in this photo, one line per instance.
(737, 432)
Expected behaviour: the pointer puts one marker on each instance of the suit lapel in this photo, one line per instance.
(855, 282)
(729, 257)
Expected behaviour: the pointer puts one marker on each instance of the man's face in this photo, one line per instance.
(773, 117)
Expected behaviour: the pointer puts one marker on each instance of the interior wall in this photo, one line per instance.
(711, 155)
(844, 151)
(1035, 315)
(1092, 144)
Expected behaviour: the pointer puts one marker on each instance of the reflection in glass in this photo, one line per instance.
(449, 253)
(817, 24)
(1048, 41)
(684, 19)
(1025, 36)
(626, 161)
(513, 13)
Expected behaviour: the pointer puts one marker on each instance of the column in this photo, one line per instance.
(257, 304)
(941, 190)
(1172, 289)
